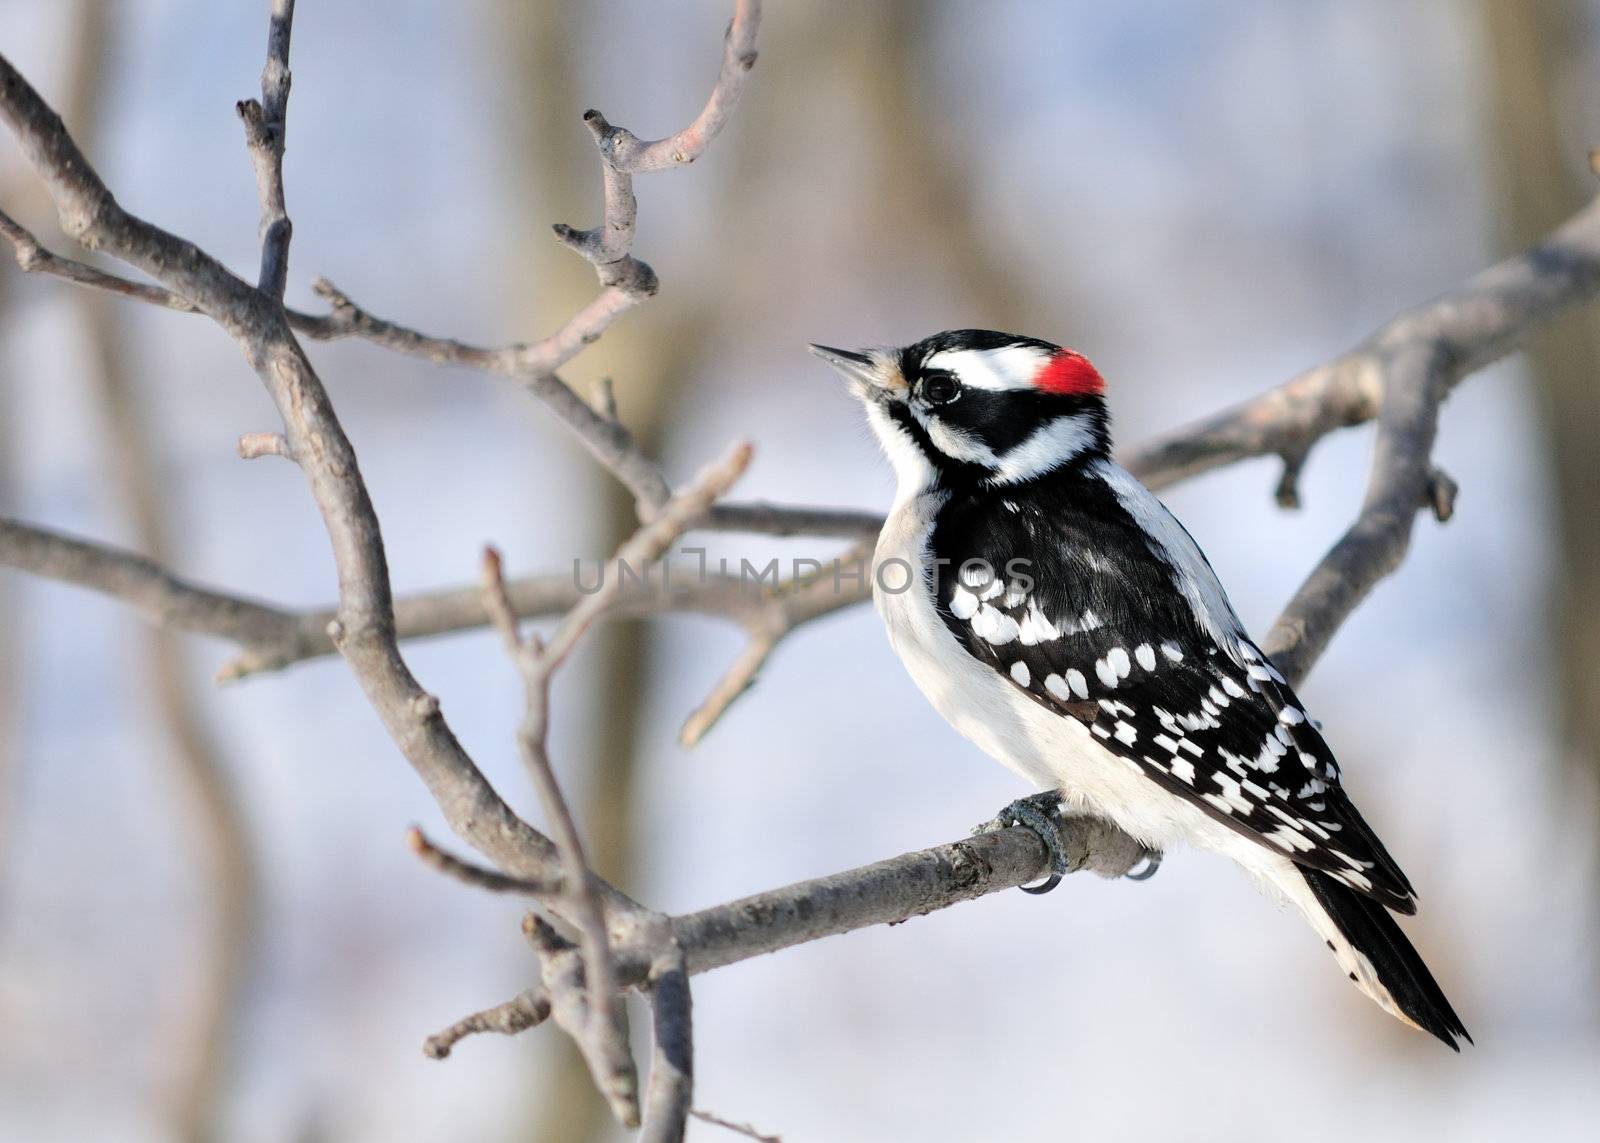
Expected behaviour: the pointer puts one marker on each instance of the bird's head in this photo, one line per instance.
(974, 405)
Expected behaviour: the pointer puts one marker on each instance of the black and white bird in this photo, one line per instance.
(1057, 615)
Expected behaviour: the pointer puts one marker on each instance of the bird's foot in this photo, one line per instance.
(1041, 814)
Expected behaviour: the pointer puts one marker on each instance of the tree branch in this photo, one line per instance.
(162, 598)
(265, 127)
(1473, 326)
(789, 606)
(744, 1129)
(363, 628)
(271, 638)
(527, 1009)
(1404, 372)
(477, 876)
(33, 258)
(671, 1092)
(600, 1022)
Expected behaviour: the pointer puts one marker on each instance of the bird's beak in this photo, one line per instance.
(867, 377)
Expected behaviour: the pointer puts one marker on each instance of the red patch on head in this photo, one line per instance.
(1069, 374)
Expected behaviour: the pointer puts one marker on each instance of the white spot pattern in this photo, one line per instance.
(1190, 744)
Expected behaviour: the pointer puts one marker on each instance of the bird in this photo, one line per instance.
(1058, 616)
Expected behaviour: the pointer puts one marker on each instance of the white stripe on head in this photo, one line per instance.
(1050, 446)
(955, 443)
(1012, 367)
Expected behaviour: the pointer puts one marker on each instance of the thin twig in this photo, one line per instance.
(33, 258)
(636, 156)
(266, 126)
(647, 545)
(477, 876)
(744, 1129)
(525, 1010)
(602, 1029)
(252, 446)
(785, 609)
(604, 1038)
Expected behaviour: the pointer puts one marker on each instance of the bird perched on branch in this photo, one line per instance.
(1056, 614)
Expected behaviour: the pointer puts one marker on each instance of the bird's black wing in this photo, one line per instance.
(1100, 633)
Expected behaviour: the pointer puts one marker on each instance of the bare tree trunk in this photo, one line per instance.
(1540, 177)
(11, 628)
(932, 212)
(218, 832)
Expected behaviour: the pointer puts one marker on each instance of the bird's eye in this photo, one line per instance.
(939, 389)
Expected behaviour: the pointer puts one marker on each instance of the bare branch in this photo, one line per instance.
(255, 445)
(603, 1034)
(593, 1014)
(735, 681)
(1472, 327)
(476, 875)
(532, 364)
(33, 258)
(671, 1091)
(892, 891)
(625, 281)
(526, 1010)
(737, 1128)
(647, 546)
(602, 1029)
(265, 126)
(884, 893)
(636, 156)
(364, 626)
(271, 638)
(1418, 359)
(791, 606)
(162, 598)
(600, 431)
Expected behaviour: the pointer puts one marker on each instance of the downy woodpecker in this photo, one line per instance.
(1061, 618)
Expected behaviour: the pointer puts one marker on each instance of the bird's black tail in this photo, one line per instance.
(1376, 956)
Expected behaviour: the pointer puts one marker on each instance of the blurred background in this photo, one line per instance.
(209, 924)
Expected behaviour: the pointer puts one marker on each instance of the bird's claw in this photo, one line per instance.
(1152, 862)
(1041, 815)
